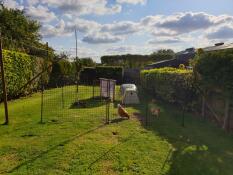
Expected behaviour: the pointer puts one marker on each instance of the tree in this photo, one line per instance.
(87, 62)
(17, 26)
(21, 32)
(214, 70)
(128, 60)
(163, 54)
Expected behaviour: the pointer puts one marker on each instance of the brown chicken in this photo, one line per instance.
(155, 112)
(122, 112)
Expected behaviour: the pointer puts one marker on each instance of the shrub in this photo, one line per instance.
(214, 70)
(63, 73)
(170, 84)
(89, 74)
(181, 66)
(111, 72)
(19, 69)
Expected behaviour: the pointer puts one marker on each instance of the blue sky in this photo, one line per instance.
(107, 27)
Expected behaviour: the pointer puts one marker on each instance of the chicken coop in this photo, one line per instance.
(107, 88)
(129, 94)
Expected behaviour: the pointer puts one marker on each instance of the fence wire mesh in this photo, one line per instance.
(46, 118)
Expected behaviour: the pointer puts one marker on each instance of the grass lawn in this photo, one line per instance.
(75, 141)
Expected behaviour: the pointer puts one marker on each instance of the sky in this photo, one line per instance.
(109, 27)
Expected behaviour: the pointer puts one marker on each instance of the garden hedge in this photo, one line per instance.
(63, 73)
(111, 72)
(89, 74)
(170, 84)
(214, 70)
(19, 69)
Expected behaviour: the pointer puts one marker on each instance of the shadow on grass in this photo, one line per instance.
(104, 154)
(29, 161)
(118, 120)
(198, 148)
(88, 103)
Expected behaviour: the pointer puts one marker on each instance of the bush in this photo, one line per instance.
(63, 73)
(170, 84)
(110, 72)
(19, 69)
(181, 66)
(89, 74)
(214, 70)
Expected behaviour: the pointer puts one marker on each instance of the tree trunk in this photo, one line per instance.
(226, 114)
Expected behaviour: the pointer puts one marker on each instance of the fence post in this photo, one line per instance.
(3, 83)
(42, 101)
(226, 121)
(93, 89)
(147, 108)
(42, 86)
(62, 93)
(183, 110)
(107, 110)
(203, 107)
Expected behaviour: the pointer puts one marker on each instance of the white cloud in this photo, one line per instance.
(165, 40)
(120, 49)
(57, 30)
(83, 26)
(162, 32)
(132, 1)
(32, 2)
(97, 38)
(223, 32)
(185, 22)
(64, 29)
(121, 28)
(13, 4)
(83, 7)
(68, 16)
(174, 31)
(40, 13)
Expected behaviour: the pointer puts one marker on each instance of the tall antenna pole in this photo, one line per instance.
(76, 60)
(76, 43)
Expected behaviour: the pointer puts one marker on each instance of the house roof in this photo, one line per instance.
(219, 47)
(183, 56)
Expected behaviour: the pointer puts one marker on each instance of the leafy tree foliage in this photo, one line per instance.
(171, 85)
(19, 69)
(215, 70)
(15, 25)
(137, 61)
(21, 32)
(63, 73)
(89, 74)
(87, 62)
(163, 54)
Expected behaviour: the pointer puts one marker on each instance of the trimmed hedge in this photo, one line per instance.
(214, 70)
(63, 73)
(88, 74)
(19, 69)
(110, 72)
(170, 84)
